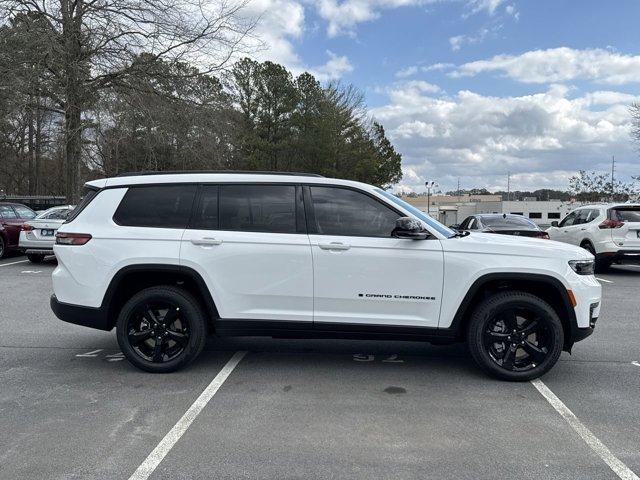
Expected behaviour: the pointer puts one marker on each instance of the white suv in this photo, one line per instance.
(611, 232)
(168, 258)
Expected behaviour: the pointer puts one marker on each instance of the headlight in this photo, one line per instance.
(583, 267)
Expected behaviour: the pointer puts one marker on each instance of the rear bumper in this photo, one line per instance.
(620, 256)
(80, 315)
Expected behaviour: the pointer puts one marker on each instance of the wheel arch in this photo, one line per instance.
(546, 287)
(133, 278)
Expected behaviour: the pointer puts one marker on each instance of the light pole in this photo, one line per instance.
(430, 184)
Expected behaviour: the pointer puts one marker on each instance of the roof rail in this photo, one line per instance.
(244, 172)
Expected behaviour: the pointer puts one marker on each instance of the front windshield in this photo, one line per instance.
(440, 228)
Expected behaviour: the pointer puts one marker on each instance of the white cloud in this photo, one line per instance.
(560, 65)
(343, 16)
(488, 6)
(282, 22)
(540, 138)
(407, 72)
(335, 68)
(460, 40)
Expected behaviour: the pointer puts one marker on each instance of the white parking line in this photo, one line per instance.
(619, 468)
(603, 280)
(12, 263)
(89, 354)
(637, 364)
(170, 439)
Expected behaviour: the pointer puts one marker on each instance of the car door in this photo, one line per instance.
(11, 224)
(249, 243)
(565, 230)
(363, 275)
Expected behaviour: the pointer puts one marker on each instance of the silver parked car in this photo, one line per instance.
(38, 235)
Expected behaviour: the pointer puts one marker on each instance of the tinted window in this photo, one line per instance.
(508, 221)
(206, 214)
(88, 195)
(465, 224)
(340, 211)
(24, 212)
(60, 214)
(166, 206)
(7, 212)
(568, 220)
(258, 208)
(626, 214)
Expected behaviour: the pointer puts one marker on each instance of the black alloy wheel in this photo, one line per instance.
(515, 335)
(158, 332)
(161, 329)
(517, 339)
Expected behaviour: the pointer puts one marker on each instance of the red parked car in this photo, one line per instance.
(12, 216)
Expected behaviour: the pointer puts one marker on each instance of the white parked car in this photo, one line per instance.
(38, 235)
(611, 232)
(168, 258)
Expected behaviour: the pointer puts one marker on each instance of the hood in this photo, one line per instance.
(515, 246)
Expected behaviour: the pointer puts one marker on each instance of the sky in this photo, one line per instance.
(472, 90)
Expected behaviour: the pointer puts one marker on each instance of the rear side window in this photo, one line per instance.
(341, 211)
(24, 212)
(88, 195)
(626, 214)
(258, 208)
(162, 206)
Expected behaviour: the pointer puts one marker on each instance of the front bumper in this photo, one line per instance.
(80, 315)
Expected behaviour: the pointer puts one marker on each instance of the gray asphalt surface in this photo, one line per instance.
(307, 409)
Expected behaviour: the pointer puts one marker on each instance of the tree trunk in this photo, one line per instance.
(31, 187)
(73, 101)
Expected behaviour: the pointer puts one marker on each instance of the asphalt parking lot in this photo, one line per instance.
(71, 407)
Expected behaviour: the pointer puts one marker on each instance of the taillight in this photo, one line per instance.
(72, 238)
(26, 227)
(544, 235)
(608, 223)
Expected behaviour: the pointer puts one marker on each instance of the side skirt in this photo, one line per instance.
(354, 331)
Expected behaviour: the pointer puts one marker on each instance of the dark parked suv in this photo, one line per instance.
(12, 216)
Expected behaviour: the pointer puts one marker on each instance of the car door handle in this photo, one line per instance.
(334, 246)
(206, 242)
(583, 229)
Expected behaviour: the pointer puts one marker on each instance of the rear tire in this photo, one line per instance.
(35, 257)
(515, 336)
(161, 329)
(2, 248)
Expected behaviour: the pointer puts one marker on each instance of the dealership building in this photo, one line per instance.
(451, 209)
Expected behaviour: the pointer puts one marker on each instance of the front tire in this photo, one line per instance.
(161, 329)
(515, 336)
(3, 248)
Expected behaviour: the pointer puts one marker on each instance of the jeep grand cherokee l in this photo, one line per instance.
(168, 258)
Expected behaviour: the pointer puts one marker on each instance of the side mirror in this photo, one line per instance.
(554, 223)
(407, 227)
(455, 226)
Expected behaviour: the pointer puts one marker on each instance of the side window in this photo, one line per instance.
(465, 224)
(594, 213)
(163, 206)
(58, 215)
(568, 220)
(7, 213)
(340, 211)
(258, 208)
(24, 212)
(206, 215)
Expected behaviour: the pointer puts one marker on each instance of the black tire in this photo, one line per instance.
(180, 341)
(601, 266)
(506, 350)
(3, 249)
(35, 257)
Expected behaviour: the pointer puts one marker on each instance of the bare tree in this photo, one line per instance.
(91, 45)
